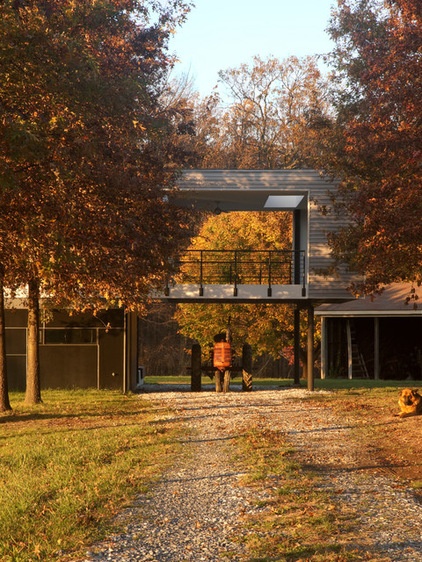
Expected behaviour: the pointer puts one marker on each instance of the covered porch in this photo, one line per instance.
(375, 337)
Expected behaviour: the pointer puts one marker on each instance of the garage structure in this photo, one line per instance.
(377, 336)
(77, 350)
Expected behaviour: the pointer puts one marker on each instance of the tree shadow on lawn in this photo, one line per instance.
(71, 418)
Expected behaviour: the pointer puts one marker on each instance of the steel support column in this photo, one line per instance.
(323, 347)
(311, 330)
(296, 348)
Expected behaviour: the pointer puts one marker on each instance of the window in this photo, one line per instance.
(70, 336)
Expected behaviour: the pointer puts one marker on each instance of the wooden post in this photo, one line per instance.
(311, 328)
(195, 384)
(376, 348)
(218, 383)
(226, 381)
(349, 350)
(247, 367)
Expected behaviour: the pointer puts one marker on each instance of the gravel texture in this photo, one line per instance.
(194, 511)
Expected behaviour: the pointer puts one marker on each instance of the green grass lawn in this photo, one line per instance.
(69, 465)
(325, 384)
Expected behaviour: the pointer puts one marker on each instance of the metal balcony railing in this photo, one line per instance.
(242, 267)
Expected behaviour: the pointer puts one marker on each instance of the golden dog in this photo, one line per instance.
(410, 402)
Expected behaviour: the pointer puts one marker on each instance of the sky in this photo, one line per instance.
(222, 34)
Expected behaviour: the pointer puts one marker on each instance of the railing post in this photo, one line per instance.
(201, 274)
(269, 290)
(235, 274)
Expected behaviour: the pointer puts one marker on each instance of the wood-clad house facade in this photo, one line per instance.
(108, 358)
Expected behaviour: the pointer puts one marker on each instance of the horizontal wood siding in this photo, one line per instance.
(327, 280)
(290, 181)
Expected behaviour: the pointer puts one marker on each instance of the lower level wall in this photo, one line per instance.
(69, 366)
(96, 362)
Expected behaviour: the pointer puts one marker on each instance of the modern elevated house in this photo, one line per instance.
(81, 351)
(306, 276)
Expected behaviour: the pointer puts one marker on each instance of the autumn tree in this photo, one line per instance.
(83, 170)
(268, 118)
(271, 117)
(196, 133)
(267, 327)
(376, 137)
(266, 123)
(247, 231)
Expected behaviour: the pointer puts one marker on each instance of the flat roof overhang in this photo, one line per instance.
(370, 314)
(247, 190)
(228, 200)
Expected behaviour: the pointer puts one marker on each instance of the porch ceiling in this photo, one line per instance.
(226, 200)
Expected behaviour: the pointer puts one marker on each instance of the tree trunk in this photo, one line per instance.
(33, 383)
(4, 389)
(195, 384)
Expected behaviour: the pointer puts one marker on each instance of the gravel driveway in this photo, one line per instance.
(194, 510)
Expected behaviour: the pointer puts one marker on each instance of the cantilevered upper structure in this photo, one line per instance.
(307, 273)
